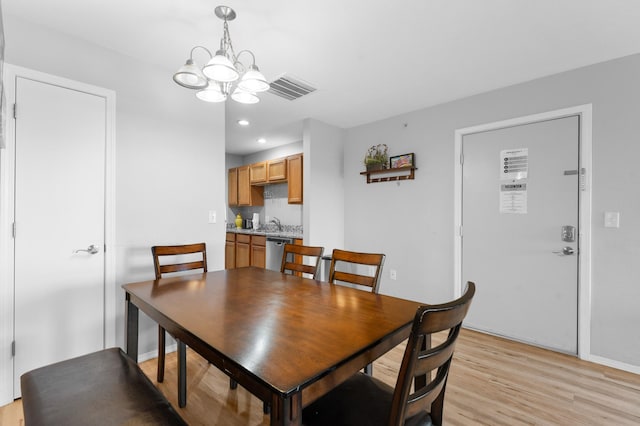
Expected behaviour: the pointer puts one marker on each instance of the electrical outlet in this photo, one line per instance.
(212, 216)
(393, 274)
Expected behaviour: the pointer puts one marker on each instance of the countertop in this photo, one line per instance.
(268, 232)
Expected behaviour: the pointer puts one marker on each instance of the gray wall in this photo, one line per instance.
(412, 222)
(169, 153)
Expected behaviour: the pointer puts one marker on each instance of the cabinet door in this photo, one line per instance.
(277, 170)
(243, 255)
(248, 195)
(229, 255)
(244, 186)
(294, 164)
(233, 187)
(258, 256)
(258, 172)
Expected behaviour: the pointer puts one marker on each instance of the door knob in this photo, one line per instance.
(92, 249)
(566, 251)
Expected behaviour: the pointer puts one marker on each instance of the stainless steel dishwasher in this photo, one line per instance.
(275, 248)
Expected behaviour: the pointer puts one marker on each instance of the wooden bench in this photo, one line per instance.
(102, 388)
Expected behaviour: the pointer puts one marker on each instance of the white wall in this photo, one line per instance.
(412, 222)
(170, 162)
(323, 191)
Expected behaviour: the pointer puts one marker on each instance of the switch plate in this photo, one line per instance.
(612, 219)
(212, 216)
(393, 274)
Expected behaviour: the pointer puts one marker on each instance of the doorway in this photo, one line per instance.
(514, 180)
(57, 181)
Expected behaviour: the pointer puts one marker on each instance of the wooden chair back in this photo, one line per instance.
(163, 251)
(349, 257)
(420, 360)
(293, 258)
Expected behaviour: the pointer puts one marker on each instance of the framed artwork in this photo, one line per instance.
(404, 160)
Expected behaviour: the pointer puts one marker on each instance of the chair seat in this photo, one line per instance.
(360, 401)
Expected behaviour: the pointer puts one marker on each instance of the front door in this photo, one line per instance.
(59, 241)
(520, 194)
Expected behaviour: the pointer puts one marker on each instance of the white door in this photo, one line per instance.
(520, 186)
(59, 212)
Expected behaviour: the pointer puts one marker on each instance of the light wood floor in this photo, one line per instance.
(492, 382)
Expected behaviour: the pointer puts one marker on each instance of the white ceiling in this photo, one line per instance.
(368, 59)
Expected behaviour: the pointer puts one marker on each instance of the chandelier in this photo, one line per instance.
(224, 74)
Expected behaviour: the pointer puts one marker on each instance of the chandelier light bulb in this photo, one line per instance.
(253, 81)
(244, 97)
(190, 76)
(211, 94)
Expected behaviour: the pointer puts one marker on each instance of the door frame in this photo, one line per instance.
(7, 186)
(584, 112)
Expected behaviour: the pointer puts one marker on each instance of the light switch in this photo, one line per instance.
(612, 219)
(212, 216)
(393, 274)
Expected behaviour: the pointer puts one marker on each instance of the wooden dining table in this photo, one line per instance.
(286, 339)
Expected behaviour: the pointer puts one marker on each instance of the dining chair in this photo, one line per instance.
(354, 260)
(293, 258)
(172, 253)
(367, 401)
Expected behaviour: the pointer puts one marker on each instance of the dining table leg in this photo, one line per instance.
(182, 374)
(286, 411)
(131, 331)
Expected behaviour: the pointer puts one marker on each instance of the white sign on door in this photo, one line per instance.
(514, 163)
(513, 198)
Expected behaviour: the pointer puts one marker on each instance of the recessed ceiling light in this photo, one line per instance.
(262, 140)
(243, 122)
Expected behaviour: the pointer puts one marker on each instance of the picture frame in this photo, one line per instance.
(402, 161)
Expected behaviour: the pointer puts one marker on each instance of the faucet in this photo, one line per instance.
(276, 221)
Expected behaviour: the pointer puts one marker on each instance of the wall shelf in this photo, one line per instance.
(387, 175)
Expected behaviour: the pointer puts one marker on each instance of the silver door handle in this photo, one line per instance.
(566, 251)
(92, 249)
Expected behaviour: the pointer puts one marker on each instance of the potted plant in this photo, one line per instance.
(376, 157)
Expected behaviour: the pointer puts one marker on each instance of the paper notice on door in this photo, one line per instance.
(514, 163)
(513, 198)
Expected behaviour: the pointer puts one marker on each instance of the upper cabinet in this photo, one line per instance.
(258, 172)
(233, 187)
(246, 194)
(277, 170)
(270, 171)
(246, 182)
(294, 164)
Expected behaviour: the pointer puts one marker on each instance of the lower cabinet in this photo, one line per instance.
(258, 251)
(243, 250)
(230, 251)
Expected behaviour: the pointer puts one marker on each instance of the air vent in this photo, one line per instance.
(290, 88)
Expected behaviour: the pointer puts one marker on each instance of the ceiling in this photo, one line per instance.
(368, 59)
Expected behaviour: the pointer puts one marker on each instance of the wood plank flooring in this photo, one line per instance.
(493, 381)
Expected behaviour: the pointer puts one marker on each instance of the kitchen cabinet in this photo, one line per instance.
(258, 172)
(277, 170)
(232, 192)
(230, 251)
(243, 250)
(258, 251)
(269, 171)
(294, 165)
(248, 195)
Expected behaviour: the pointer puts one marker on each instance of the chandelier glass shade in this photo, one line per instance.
(216, 81)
